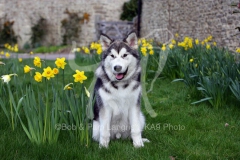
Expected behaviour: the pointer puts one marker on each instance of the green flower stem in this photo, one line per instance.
(63, 78)
(63, 93)
(11, 107)
(45, 118)
(11, 114)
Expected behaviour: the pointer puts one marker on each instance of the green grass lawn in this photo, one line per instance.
(181, 130)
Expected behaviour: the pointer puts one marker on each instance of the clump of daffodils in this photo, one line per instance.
(146, 46)
(186, 43)
(206, 42)
(11, 48)
(96, 46)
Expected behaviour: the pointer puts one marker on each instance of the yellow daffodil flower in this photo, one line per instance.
(96, 46)
(163, 47)
(27, 69)
(79, 76)
(55, 71)
(60, 63)
(144, 51)
(173, 41)
(209, 38)
(78, 49)
(99, 51)
(38, 77)
(191, 60)
(20, 59)
(208, 46)
(144, 41)
(238, 50)
(37, 62)
(86, 50)
(92, 46)
(48, 73)
(7, 55)
(6, 45)
(171, 46)
(151, 52)
(196, 41)
(150, 47)
(15, 49)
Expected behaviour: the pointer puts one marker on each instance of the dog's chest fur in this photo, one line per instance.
(120, 97)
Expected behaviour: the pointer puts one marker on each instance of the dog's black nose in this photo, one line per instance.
(117, 68)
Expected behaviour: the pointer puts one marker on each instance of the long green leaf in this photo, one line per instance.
(202, 100)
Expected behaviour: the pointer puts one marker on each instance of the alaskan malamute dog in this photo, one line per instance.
(117, 112)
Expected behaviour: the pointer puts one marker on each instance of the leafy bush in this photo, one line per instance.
(130, 10)
(71, 27)
(39, 30)
(7, 34)
(235, 84)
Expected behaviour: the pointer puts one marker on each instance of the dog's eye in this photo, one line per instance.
(112, 56)
(125, 55)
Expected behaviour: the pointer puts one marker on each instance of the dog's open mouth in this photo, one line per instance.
(120, 76)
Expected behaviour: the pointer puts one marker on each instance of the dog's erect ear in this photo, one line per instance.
(105, 41)
(132, 40)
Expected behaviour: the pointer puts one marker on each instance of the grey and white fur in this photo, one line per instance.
(117, 112)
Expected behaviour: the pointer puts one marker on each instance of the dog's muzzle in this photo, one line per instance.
(119, 76)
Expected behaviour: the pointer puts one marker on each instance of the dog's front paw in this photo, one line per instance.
(138, 143)
(104, 141)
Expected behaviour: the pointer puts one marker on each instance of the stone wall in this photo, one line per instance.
(26, 12)
(195, 18)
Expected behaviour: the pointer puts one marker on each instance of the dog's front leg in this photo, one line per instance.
(105, 120)
(136, 128)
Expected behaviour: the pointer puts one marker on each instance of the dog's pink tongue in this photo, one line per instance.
(119, 76)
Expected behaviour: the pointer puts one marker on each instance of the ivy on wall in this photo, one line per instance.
(7, 34)
(130, 10)
(39, 30)
(71, 27)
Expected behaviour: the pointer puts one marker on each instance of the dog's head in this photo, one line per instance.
(120, 57)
